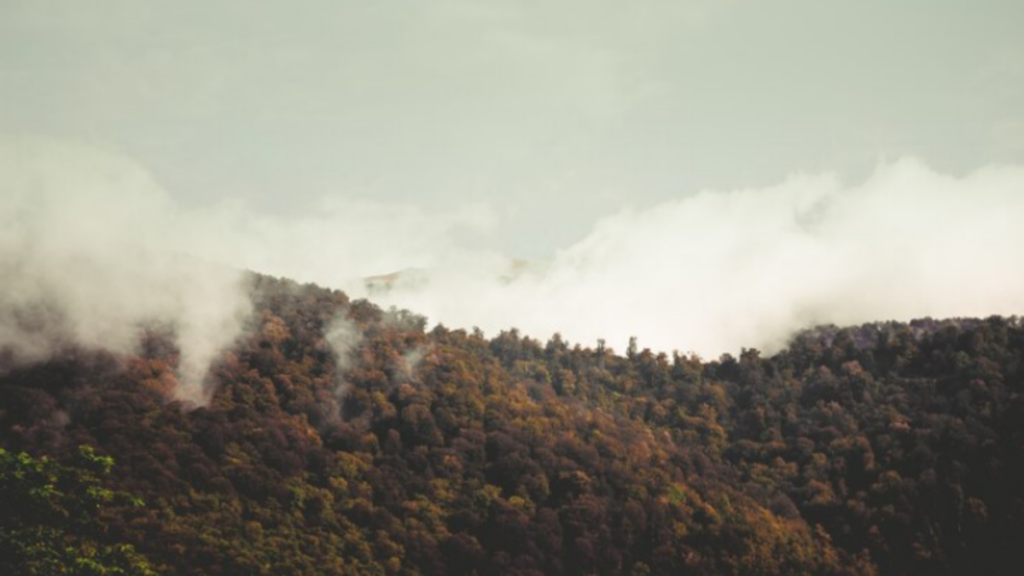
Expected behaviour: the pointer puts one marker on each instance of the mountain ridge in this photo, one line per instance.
(341, 438)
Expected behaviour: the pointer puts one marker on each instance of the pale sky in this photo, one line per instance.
(546, 115)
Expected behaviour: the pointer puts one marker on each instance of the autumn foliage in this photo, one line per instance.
(889, 448)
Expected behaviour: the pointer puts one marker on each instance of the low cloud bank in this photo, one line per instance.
(91, 248)
(717, 271)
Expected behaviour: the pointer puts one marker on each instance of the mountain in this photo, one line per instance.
(340, 438)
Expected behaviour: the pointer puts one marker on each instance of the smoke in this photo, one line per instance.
(717, 271)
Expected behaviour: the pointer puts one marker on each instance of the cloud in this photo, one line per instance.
(87, 259)
(91, 245)
(717, 271)
(92, 249)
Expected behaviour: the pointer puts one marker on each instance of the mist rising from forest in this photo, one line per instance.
(89, 257)
(716, 271)
(92, 248)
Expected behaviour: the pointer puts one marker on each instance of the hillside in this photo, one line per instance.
(344, 439)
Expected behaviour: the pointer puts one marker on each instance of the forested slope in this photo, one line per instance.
(882, 449)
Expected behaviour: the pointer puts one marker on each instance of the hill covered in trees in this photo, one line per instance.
(340, 438)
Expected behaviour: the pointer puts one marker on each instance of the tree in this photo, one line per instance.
(49, 523)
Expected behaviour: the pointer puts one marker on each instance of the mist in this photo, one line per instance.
(93, 250)
(716, 271)
(92, 247)
(344, 337)
(88, 259)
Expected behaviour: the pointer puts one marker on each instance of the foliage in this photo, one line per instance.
(888, 448)
(49, 520)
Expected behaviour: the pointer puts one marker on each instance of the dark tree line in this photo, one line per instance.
(883, 449)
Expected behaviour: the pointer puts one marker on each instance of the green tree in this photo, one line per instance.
(49, 521)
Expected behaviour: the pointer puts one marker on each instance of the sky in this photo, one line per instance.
(704, 175)
(550, 115)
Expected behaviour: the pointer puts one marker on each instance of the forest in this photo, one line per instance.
(883, 449)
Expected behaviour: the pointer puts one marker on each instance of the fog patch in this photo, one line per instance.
(717, 271)
(91, 247)
(87, 260)
(344, 337)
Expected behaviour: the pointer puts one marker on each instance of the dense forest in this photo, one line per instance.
(884, 449)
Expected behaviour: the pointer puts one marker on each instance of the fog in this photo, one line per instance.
(92, 247)
(717, 271)
(344, 337)
(88, 258)
(704, 174)
(93, 250)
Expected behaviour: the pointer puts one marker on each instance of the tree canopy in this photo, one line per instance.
(888, 448)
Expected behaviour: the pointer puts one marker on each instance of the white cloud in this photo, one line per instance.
(721, 270)
(86, 251)
(92, 248)
(89, 237)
